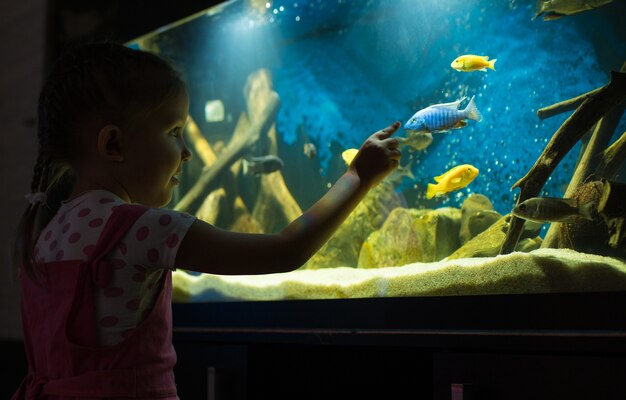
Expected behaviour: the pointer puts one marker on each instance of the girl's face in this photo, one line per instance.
(156, 151)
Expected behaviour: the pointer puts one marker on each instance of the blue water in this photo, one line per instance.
(344, 69)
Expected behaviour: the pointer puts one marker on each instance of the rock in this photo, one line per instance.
(488, 243)
(411, 235)
(477, 214)
(246, 224)
(589, 236)
(343, 248)
(476, 202)
(529, 244)
(475, 223)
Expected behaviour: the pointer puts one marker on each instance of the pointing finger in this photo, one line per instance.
(388, 131)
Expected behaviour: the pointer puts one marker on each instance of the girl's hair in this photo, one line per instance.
(91, 83)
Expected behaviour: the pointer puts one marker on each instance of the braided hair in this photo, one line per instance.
(91, 82)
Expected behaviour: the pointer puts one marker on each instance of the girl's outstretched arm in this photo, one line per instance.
(209, 249)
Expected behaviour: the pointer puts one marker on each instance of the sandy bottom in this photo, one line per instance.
(540, 271)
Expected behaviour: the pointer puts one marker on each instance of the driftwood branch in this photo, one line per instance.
(591, 156)
(274, 206)
(199, 143)
(566, 105)
(210, 208)
(569, 105)
(613, 208)
(232, 152)
(612, 158)
(612, 204)
(594, 155)
(590, 111)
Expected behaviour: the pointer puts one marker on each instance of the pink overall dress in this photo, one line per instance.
(59, 320)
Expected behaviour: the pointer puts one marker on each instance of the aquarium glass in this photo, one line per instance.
(280, 91)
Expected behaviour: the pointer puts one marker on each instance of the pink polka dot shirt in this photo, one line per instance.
(139, 260)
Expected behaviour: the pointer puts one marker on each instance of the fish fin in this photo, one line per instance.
(401, 172)
(483, 69)
(485, 57)
(586, 210)
(455, 180)
(454, 105)
(245, 166)
(569, 201)
(551, 16)
(439, 178)
(538, 9)
(409, 173)
(472, 111)
(459, 124)
(431, 191)
(409, 169)
(492, 64)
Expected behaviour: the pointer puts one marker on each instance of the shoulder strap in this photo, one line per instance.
(120, 221)
(80, 325)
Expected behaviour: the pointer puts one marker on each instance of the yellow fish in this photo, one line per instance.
(348, 155)
(456, 178)
(469, 62)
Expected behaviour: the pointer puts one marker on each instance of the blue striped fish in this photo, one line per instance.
(442, 117)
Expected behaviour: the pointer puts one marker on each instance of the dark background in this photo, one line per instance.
(32, 33)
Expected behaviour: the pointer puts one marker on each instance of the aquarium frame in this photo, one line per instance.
(588, 322)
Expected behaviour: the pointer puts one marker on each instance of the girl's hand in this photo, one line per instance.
(377, 157)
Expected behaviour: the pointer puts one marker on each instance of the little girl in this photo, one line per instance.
(95, 261)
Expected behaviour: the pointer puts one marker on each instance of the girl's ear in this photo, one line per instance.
(110, 143)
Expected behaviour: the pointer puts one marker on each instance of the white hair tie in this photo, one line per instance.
(34, 198)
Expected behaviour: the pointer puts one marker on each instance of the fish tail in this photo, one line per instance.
(585, 210)
(407, 170)
(431, 190)
(491, 63)
(472, 111)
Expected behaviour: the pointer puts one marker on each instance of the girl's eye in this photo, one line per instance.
(175, 132)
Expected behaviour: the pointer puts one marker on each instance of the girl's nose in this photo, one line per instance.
(186, 154)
